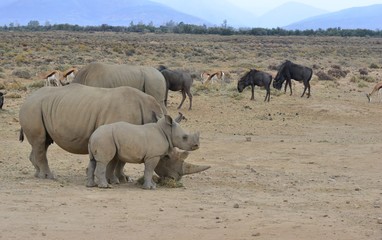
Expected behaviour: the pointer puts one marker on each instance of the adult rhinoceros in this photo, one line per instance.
(145, 78)
(69, 115)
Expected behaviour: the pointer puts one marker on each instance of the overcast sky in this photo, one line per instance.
(264, 6)
(329, 5)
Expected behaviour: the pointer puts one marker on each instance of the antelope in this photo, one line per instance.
(53, 78)
(376, 88)
(206, 77)
(68, 76)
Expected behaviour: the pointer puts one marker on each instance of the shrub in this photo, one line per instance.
(373, 65)
(22, 74)
(362, 84)
(15, 85)
(363, 71)
(37, 84)
(337, 72)
(21, 58)
(323, 76)
(12, 95)
(367, 78)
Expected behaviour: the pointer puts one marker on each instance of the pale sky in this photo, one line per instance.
(264, 6)
(329, 5)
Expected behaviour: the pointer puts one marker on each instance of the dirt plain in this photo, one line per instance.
(293, 168)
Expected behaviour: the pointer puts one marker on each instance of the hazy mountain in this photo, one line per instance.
(286, 14)
(369, 17)
(199, 12)
(92, 12)
(215, 11)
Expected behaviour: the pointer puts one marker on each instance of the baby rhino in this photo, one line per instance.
(135, 144)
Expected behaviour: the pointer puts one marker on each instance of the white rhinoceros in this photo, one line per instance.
(69, 115)
(145, 78)
(135, 144)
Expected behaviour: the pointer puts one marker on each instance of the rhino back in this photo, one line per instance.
(144, 78)
(133, 143)
(71, 114)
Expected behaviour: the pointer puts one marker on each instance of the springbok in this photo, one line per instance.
(206, 77)
(53, 78)
(376, 88)
(68, 76)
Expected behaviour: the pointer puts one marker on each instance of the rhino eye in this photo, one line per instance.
(185, 137)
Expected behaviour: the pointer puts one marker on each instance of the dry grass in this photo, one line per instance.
(26, 55)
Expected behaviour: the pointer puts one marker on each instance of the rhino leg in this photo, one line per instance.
(111, 177)
(31, 158)
(90, 173)
(100, 173)
(150, 165)
(120, 174)
(40, 161)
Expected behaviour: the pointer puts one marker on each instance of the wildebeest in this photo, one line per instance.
(135, 144)
(177, 80)
(1, 100)
(289, 70)
(145, 78)
(69, 115)
(254, 77)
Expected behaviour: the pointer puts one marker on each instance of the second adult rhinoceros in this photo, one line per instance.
(145, 78)
(69, 115)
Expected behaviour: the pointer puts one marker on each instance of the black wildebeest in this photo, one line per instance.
(288, 71)
(177, 80)
(255, 77)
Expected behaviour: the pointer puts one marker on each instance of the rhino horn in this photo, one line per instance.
(180, 118)
(189, 168)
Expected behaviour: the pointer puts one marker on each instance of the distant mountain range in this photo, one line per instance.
(369, 17)
(291, 15)
(288, 13)
(93, 12)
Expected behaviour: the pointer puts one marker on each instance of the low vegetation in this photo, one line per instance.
(26, 56)
(182, 28)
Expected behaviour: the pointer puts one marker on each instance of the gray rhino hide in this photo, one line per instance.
(69, 115)
(144, 78)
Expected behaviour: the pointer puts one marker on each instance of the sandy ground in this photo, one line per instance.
(293, 168)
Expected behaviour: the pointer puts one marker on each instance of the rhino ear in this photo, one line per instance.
(168, 120)
(155, 117)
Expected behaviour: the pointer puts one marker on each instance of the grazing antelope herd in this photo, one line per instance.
(57, 78)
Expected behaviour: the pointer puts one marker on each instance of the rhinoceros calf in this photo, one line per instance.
(135, 144)
(144, 78)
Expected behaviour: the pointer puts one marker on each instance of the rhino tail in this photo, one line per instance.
(189, 168)
(21, 136)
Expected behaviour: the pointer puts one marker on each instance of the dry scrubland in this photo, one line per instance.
(294, 168)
